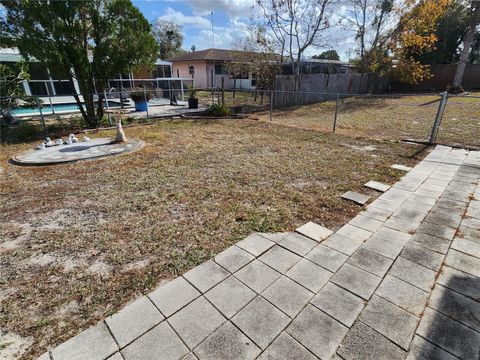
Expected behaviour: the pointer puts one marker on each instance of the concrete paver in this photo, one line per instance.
(357, 293)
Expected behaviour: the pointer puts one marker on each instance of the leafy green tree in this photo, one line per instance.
(327, 55)
(90, 41)
(169, 38)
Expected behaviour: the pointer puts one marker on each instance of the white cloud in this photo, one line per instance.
(181, 19)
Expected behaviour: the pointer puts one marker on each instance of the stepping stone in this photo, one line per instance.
(375, 185)
(401, 167)
(314, 231)
(356, 197)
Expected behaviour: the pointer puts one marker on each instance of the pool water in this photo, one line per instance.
(47, 109)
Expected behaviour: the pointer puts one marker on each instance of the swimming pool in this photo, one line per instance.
(57, 108)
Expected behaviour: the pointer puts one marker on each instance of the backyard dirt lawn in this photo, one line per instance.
(80, 240)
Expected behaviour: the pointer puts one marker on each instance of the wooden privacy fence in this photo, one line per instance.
(291, 90)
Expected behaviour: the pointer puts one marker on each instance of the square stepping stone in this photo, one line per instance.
(430, 242)
(414, 274)
(160, 340)
(356, 197)
(206, 275)
(255, 244)
(230, 296)
(343, 243)
(279, 259)
(401, 167)
(354, 232)
(402, 294)
(402, 225)
(339, 304)
(463, 262)
(287, 295)
(436, 230)
(233, 258)
(421, 349)
(366, 223)
(375, 185)
(196, 321)
(310, 275)
(356, 280)
(261, 321)
(450, 335)
(362, 342)
(133, 320)
(459, 281)
(455, 306)
(95, 343)
(327, 258)
(421, 256)
(275, 237)
(317, 331)
(369, 261)
(387, 242)
(227, 343)
(389, 320)
(297, 243)
(377, 213)
(286, 347)
(174, 295)
(314, 231)
(257, 276)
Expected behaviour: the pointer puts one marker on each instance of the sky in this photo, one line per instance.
(230, 17)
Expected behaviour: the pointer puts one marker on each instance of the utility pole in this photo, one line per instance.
(213, 34)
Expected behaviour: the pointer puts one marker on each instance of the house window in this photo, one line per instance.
(220, 69)
(191, 70)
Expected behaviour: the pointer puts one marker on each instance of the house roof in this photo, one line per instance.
(216, 55)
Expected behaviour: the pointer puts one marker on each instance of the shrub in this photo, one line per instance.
(139, 95)
(192, 92)
(218, 110)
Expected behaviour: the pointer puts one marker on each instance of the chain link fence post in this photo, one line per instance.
(336, 112)
(438, 117)
(145, 98)
(42, 117)
(271, 104)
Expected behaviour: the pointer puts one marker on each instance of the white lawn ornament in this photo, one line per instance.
(59, 142)
(85, 138)
(69, 141)
(41, 146)
(48, 142)
(74, 138)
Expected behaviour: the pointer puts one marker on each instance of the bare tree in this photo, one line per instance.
(467, 45)
(294, 25)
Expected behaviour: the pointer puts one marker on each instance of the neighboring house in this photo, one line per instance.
(208, 67)
(44, 82)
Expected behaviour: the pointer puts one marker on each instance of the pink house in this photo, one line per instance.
(208, 67)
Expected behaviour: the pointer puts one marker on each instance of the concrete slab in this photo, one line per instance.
(286, 347)
(422, 256)
(287, 295)
(387, 242)
(339, 304)
(342, 243)
(449, 335)
(93, 343)
(206, 275)
(317, 331)
(430, 242)
(354, 232)
(356, 197)
(261, 321)
(366, 223)
(463, 262)
(230, 296)
(174, 295)
(414, 274)
(356, 281)
(314, 231)
(160, 340)
(375, 185)
(227, 343)
(309, 275)
(133, 320)
(279, 259)
(460, 281)
(255, 244)
(423, 350)
(362, 342)
(196, 321)
(233, 258)
(391, 321)
(297, 243)
(257, 276)
(327, 258)
(369, 261)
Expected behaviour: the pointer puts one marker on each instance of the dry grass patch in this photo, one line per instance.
(80, 240)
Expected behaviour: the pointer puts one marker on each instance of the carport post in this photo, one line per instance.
(438, 117)
(336, 112)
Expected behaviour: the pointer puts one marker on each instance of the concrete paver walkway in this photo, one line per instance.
(401, 280)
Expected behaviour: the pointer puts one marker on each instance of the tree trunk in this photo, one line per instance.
(467, 45)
